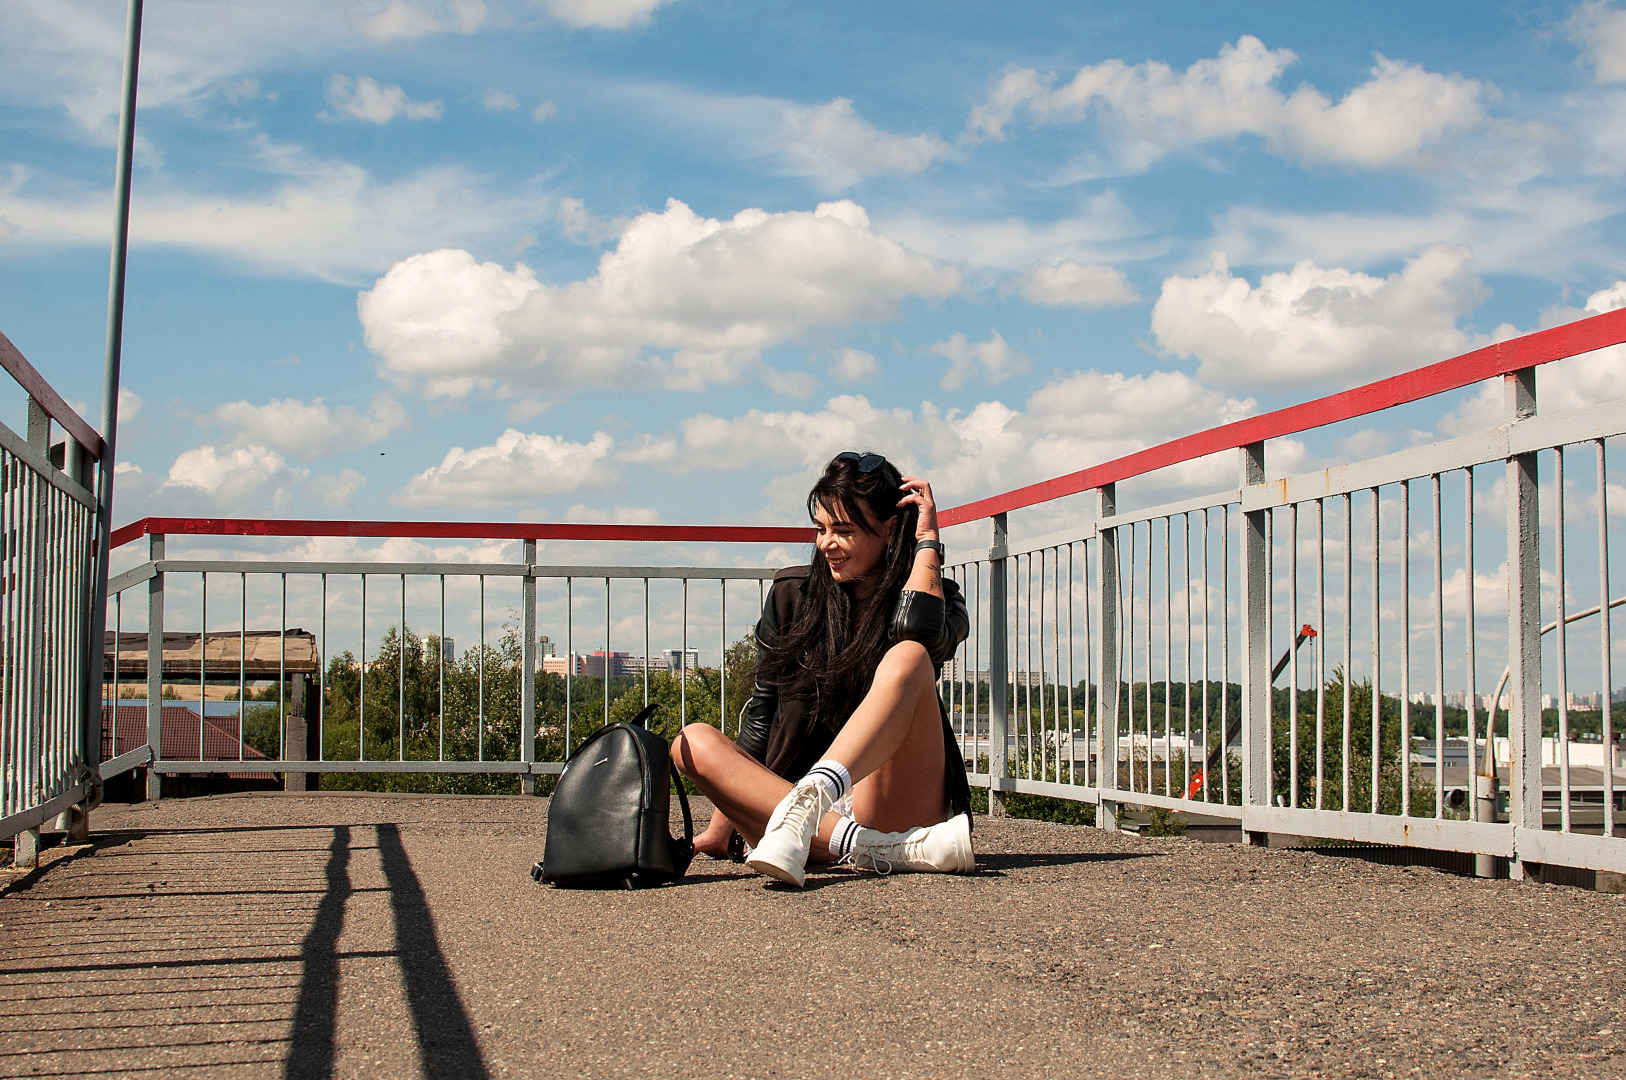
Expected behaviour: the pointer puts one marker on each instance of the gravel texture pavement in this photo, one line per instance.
(391, 936)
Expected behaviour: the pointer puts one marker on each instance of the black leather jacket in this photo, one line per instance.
(939, 623)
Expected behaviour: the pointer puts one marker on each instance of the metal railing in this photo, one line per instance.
(49, 729)
(1107, 660)
(389, 693)
(1304, 654)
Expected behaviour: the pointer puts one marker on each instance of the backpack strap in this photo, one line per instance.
(683, 800)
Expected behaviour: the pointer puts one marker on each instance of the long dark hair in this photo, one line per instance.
(826, 658)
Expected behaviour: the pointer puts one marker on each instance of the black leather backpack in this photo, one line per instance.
(607, 820)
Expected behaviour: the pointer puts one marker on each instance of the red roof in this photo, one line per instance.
(178, 726)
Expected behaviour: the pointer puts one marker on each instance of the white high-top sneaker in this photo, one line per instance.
(944, 848)
(782, 852)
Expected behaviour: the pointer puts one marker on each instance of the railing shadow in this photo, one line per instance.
(445, 1035)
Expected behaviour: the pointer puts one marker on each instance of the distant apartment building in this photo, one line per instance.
(681, 659)
(448, 649)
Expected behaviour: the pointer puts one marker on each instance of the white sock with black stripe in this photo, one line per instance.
(832, 775)
(841, 839)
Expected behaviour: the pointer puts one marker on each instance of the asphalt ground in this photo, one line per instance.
(353, 936)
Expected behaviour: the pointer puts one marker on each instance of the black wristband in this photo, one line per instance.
(932, 545)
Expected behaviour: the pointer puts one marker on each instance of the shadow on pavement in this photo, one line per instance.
(446, 1039)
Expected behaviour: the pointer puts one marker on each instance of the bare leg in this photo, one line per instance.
(892, 745)
(744, 791)
(714, 840)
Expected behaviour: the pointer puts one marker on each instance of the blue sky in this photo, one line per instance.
(644, 260)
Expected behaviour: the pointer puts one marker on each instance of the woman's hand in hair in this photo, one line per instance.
(918, 493)
(927, 575)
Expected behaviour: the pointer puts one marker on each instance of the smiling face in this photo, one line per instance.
(852, 553)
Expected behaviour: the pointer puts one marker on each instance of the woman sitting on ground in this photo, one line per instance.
(845, 751)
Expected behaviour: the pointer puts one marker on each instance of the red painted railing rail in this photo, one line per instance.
(32, 382)
(462, 530)
(1542, 347)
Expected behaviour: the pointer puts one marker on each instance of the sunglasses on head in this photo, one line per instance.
(867, 463)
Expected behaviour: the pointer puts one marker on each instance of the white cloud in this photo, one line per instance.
(251, 478)
(582, 225)
(1071, 423)
(310, 429)
(498, 100)
(1553, 230)
(544, 111)
(708, 294)
(374, 102)
(1072, 284)
(1311, 326)
(1104, 229)
(835, 144)
(830, 144)
(1598, 28)
(996, 360)
(337, 491)
(604, 14)
(401, 19)
(1562, 386)
(1397, 113)
(854, 365)
(130, 404)
(329, 219)
(516, 468)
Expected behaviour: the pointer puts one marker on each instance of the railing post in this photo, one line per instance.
(998, 671)
(155, 669)
(1523, 618)
(527, 652)
(1256, 705)
(1106, 692)
(30, 754)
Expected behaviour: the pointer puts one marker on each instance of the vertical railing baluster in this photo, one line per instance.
(321, 683)
(1320, 653)
(1439, 647)
(1561, 643)
(1348, 800)
(998, 669)
(1107, 640)
(722, 656)
(1293, 658)
(480, 689)
(1524, 615)
(1405, 648)
(646, 641)
(1185, 693)
(155, 664)
(570, 654)
(440, 674)
(1377, 656)
(527, 666)
(1207, 670)
(1256, 711)
(683, 659)
(1606, 665)
(203, 660)
(361, 722)
(1168, 656)
(1225, 652)
(242, 668)
(400, 677)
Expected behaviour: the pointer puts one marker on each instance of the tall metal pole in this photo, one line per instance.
(110, 387)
